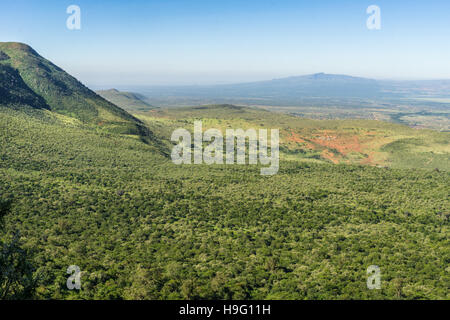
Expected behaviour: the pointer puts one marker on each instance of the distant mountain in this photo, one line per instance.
(320, 77)
(291, 90)
(315, 85)
(312, 90)
(319, 84)
(126, 100)
(27, 80)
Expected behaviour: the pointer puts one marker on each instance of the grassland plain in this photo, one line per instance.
(422, 116)
(368, 142)
(140, 227)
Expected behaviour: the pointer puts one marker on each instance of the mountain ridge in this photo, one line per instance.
(29, 80)
(318, 89)
(126, 100)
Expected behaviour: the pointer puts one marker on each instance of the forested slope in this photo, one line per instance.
(27, 79)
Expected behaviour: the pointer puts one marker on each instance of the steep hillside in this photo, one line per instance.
(27, 79)
(15, 92)
(127, 100)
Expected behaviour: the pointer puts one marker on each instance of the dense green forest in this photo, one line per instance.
(83, 182)
(140, 227)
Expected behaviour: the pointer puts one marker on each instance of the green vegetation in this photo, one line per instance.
(333, 141)
(140, 227)
(16, 270)
(403, 112)
(435, 120)
(78, 189)
(36, 82)
(14, 92)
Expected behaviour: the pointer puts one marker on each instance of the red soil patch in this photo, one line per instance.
(337, 146)
(295, 137)
(343, 144)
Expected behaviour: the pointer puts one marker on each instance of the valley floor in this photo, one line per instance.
(140, 227)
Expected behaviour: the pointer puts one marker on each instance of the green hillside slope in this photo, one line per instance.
(15, 92)
(29, 79)
(129, 101)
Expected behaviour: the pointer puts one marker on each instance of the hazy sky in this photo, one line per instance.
(197, 41)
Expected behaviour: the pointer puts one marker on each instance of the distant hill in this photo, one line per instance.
(126, 100)
(318, 89)
(276, 91)
(28, 80)
(315, 85)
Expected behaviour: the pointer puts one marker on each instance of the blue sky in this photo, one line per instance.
(137, 42)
